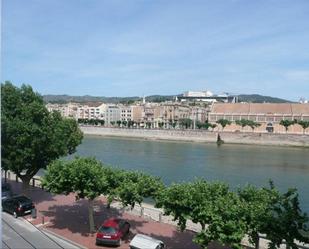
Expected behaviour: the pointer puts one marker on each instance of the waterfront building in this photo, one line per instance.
(112, 114)
(268, 115)
(66, 110)
(126, 113)
(91, 111)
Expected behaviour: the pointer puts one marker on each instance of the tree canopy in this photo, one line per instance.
(31, 136)
(223, 123)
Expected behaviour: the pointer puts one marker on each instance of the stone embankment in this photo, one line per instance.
(300, 140)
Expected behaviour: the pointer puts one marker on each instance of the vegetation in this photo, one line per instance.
(223, 123)
(83, 176)
(226, 216)
(256, 98)
(31, 136)
(91, 121)
(286, 123)
(287, 222)
(244, 122)
(251, 98)
(304, 124)
(89, 178)
(185, 123)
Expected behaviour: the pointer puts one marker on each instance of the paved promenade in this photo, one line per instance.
(69, 218)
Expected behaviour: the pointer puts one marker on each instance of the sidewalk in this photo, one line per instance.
(68, 218)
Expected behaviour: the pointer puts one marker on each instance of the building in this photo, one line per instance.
(206, 96)
(268, 115)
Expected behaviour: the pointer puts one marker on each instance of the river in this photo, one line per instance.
(184, 161)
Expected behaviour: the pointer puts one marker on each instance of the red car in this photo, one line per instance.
(112, 231)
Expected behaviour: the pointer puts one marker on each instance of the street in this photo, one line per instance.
(19, 233)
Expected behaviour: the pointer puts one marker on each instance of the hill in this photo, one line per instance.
(256, 98)
(253, 98)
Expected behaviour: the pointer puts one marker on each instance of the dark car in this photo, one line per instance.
(112, 231)
(5, 191)
(18, 205)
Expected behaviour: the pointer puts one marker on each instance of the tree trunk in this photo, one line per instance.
(91, 220)
(256, 241)
(25, 184)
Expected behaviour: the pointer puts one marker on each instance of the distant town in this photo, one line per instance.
(191, 110)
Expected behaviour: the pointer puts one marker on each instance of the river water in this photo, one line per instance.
(183, 161)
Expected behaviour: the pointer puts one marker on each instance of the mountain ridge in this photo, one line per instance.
(64, 98)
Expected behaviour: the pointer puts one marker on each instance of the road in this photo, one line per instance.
(19, 233)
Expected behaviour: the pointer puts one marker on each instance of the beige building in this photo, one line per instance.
(268, 115)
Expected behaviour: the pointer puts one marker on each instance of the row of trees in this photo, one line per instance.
(287, 123)
(225, 216)
(188, 123)
(252, 124)
(89, 178)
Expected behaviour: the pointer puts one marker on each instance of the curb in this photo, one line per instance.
(63, 238)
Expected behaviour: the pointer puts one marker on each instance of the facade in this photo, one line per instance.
(206, 96)
(268, 115)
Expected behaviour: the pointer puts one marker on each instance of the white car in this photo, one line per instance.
(141, 241)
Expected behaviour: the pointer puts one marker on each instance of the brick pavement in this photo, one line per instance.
(69, 218)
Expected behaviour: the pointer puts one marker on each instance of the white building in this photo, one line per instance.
(198, 94)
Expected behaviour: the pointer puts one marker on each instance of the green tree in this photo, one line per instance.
(226, 225)
(135, 186)
(243, 123)
(112, 123)
(185, 122)
(148, 124)
(82, 176)
(256, 206)
(211, 205)
(286, 123)
(161, 124)
(253, 124)
(212, 126)
(118, 123)
(200, 125)
(223, 123)
(102, 122)
(31, 136)
(287, 222)
(124, 123)
(304, 124)
(131, 123)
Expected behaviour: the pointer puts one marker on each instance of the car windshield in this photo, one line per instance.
(108, 230)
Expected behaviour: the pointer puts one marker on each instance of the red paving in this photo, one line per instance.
(69, 218)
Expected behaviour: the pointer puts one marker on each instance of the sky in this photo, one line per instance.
(146, 47)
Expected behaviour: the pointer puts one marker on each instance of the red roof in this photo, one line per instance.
(113, 222)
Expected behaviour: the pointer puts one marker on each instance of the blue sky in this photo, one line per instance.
(145, 47)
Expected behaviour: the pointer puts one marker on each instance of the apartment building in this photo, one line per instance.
(66, 110)
(126, 113)
(91, 111)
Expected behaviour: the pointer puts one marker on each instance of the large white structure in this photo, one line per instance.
(198, 94)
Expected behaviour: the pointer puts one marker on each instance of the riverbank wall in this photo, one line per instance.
(298, 140)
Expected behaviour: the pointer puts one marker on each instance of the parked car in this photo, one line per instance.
(112, 231)
(18, 205)
(141, 241)
(6, 191)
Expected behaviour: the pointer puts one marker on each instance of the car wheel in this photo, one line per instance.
(15, 215)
